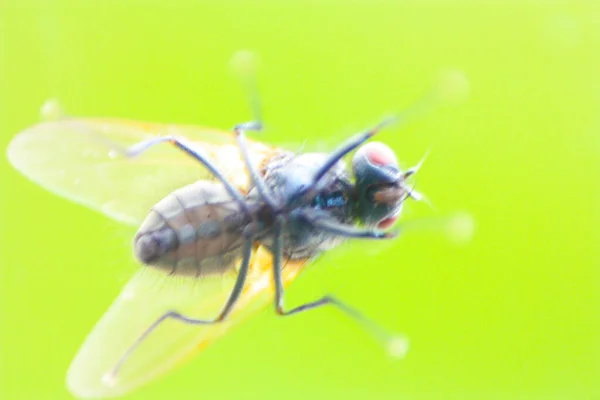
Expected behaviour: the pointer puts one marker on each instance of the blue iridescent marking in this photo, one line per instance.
(332, 200)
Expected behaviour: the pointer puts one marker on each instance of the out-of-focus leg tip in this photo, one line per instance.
(109, 379)
(461, 228)
(51, 110)
(398, 346)
(244, 62)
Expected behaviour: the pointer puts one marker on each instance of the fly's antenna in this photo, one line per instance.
(412, 193)
(244, 64)
(416, 168)
(418, 196)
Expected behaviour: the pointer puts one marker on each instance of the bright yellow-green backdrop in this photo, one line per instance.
(513, 315)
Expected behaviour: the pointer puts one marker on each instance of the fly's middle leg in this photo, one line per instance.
(175, 315)
(395, 344)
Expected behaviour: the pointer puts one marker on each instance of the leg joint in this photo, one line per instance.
(248, 126)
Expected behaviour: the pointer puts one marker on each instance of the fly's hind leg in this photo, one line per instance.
(174, 315)
(395, 344)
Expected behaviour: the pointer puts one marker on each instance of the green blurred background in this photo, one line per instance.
(514, 314)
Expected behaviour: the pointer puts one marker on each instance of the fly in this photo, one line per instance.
(233, 220)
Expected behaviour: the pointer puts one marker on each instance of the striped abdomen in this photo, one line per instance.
(194, 231)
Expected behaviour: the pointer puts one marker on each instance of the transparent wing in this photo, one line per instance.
(146, 297)
(83, 160)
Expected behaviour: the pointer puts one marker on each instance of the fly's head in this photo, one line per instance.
(381, 187)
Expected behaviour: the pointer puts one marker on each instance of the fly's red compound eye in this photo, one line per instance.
(387, 222)
(377, 184)
(379, 154)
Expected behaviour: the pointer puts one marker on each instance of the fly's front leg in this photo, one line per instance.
(322, 221)
(345, 148)
(396, 345)
(349, 145)
(175, 315)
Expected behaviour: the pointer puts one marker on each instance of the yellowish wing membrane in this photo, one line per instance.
(84, 160)
(146, 297)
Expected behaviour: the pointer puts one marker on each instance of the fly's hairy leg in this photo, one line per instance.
(174, 315)
(395, 344)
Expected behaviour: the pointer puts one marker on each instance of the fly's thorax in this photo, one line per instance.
(289, 174)
(334, 191)
(196, 230)
(286, 175)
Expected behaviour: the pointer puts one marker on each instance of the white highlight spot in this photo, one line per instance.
(398, 346)
(128, 295)
(258, 286)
